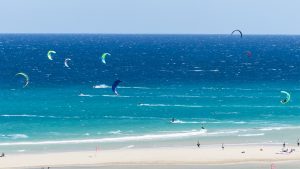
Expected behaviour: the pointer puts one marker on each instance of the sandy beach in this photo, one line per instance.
(153, 156)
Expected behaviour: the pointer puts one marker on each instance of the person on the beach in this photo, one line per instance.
(222, 146)
(2, 155)
(283, 145)
(298, 143)
(198, 144)
(292, 150)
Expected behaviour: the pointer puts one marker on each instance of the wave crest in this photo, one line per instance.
(116, 139)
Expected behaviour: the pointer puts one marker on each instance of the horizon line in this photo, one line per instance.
(79, 33)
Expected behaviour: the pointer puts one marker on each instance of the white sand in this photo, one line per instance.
(175, 156)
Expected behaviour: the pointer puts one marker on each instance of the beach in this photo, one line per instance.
(207, 155)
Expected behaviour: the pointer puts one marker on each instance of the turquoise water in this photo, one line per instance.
(198, 80)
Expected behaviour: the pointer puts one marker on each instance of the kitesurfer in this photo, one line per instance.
(173, 120)
(49, 54)
(103, 57)
(237, 30)
(115, 85)
(66, 62)
(284, 101)
(287, 97)
(25, 76)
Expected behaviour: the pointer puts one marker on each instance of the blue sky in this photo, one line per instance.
(150, 16)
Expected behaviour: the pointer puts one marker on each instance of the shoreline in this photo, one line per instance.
(154, 156)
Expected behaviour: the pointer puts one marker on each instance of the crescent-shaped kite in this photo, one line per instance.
(103, 57)
(25, 76)
(237, 30)
(49, 54)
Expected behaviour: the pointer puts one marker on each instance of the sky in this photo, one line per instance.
(150, 16)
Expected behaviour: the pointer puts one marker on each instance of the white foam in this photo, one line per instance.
(115, 132)
(18, 115)
(185, 122)
(32, 115)
(128, 147)
(17, 136)
(86, 95)
(251, 135)
(201, 106)
(197, 70)
(104, 86)
(177, 121)
(170, 105)
(239, 122)
(105, 95)
(230, 132)
(116, 139)
(201, 70)
(225, 113)
(131, 117)
(206, 122)
(133, 87)
(270, 128)
(101, 86)
(278, 128)
(188, 96)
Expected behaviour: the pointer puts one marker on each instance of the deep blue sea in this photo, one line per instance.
(207, 81)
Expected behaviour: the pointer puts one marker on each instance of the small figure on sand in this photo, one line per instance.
(198, 144)
(283, 144)
(2, 155)
(223, 146)
(292, 150)
(97, 148)
(298, 143)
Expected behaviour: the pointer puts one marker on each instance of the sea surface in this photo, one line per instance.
(218, 88)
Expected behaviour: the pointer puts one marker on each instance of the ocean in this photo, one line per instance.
(228, 85)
